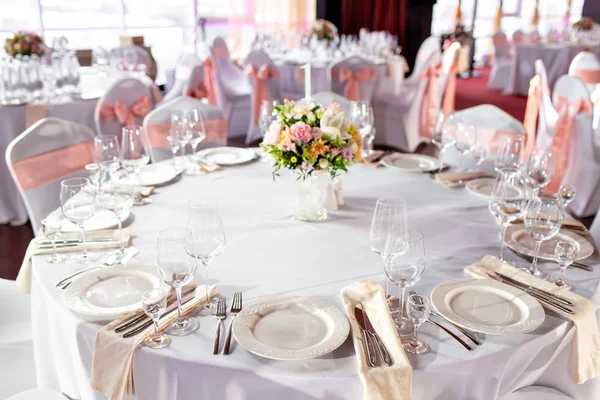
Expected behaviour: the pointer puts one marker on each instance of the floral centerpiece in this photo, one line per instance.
(25, 44)
(324, 30)
(316, 143)
(584, 24)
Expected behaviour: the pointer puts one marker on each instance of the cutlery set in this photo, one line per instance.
(373, 345)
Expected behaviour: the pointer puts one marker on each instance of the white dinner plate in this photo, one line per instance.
(410, 162)
(228, 155)
(291, 328)
(102, 219)
(110, 292)
(487, 306)
(519, 240)
(152, 175)
(481, 187)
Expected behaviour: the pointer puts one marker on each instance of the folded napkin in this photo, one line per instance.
(454, 179)
(586, 346)
(208, 166)
(139, 192)
(112, 361)
(374, 159)
(381, 382)
(24, 277)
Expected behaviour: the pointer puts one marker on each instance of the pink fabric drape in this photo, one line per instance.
(429, 103)
(220, 52)
(352, 80)
(259, 76)
(216, 129)
(450, 93)
(561, 142)
(589, 76)
(209, 68)
(198, 92)
(532, 109)
(120, 112)
(51, 166)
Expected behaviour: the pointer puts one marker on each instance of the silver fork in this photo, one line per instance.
(63, 284)
(236, 307)
(221, 315)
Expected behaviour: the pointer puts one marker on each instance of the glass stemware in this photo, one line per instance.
(51, 229)
(180, 129)
(543, 219)
(107, 153)
(135, 152)
(117, 203)
(154, 303)
(510, 153)
(508, 200)
(539, 169)
(404, 261)
(418, 309)
(478, 153)
(207, 239)
(267, 114)
(565, 253)
(176, 269)
(78, 204)
(194, 124)
(362, 117)
(567, 195)
(466, 139)
(443, 136)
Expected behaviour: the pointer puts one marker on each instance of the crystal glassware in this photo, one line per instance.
(465, 140)
(478, 153)
(176, 269)
(135, 151)
(539, 169)
(117, 203)
(565, 253)
(362, 116)
(567, 195)
(107, 153)
(154, 303)
(266, 114)
(543, 219)
(443, 135)
(510, 153)
(180, 129)
(51, 229)
(418, 309)
(207, 239)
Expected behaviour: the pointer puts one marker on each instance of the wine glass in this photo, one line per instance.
(135, 152)
(465, 139)
(193, 123)
(404, 263)
(508, 200)
(266, 114)
(78, 205)
(176, 269)
(207, 239)
(362, 117)
(567, 194)
(154, 303)
(510, 153)
(539, 169)
(443, 136)
(418, 309)
(565, 253)
(51, 229)
(390, 213)
(478, 153)
(543, 219)
(117, 203)
(180, 126)
(107, 154)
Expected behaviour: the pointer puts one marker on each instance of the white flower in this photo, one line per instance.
(335, 125)
(273, 135)
(311, 117)
(323, 163)
(289, 115)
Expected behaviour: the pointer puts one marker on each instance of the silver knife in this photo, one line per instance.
(143, 326)
(75, 241)
(368, 345)
(385, 356)
(554, 297)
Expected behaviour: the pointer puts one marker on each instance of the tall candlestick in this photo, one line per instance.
(307, 81)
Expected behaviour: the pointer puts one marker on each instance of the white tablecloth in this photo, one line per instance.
(556, 58)
(269, 253)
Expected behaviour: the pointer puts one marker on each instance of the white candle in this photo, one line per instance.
(307, 81)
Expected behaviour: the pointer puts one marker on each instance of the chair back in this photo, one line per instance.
(157, 125)
(125, 103)
(447, 79)
(501, 46)
(230, 81)
(547, 113)
(49, 151)
(586, 66)
(430, 46)
(183, 72)
(518, 37)
(354, 77)
(325, 98)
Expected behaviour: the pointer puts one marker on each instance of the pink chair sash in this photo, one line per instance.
(561, 142)
(198, 92)
(352, 79)
(209, 68)
(532, 110)
(260, 76)
(48, 167)
(429, 102)
(216, 130)
(589, 76)
(120, 112)
(220, 52)
(450, 93)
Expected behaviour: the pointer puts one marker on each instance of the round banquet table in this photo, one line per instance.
(556, 57)
(269, 253)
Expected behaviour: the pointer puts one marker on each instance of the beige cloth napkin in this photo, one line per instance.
(24, 277)
(454, 179)
(586, 346)
(112, 361)
(380, 382)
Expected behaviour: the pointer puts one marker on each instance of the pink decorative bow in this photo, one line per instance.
(561, 142)
(352, 79)
(429, 102)
(531, 112)
(123, 114)
(260, 76)
(209, 68)
(198, 92)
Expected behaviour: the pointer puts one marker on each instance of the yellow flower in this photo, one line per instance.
(285, 135)
(317, 148)
(357, 141)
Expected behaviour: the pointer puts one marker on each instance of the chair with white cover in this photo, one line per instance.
(38, 394)
(125, 103)
(586, 66)
(324, 98)
(16, 345)
(195, 86)
(518, 37)
(354, 77)
(233, 90)
(430, 46)
(547, 113)
(536, 393)
(447, 77)
(139, 57)
(49, 151)
(500, 74)
(391, 83)
(157, 125)
(183, 73)
(263, 75)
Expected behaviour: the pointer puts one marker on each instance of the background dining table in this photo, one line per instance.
(270, 253)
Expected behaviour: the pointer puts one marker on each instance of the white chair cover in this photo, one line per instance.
(595, 229)
(325, 98)
(16, 346)
(500, 74)
(63, 147)
(183, 72)
(537, 393)
(391, 84)
(518, 37)
(547, 114)
(584, 63)
(38, 394)
(430, 46)
(233, 89)
(157, 123)
(354, 64)
(449, 58)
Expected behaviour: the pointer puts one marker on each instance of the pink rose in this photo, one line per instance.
(316, 132)
(334, 106)
(301, 132)
(288, 145)
(273, 135)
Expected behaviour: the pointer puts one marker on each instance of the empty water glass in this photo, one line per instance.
(465, 139)
(565, 253)
(543, 219)
(539, 169)
(117, 203)
(567, 195)
(78, 205)
(51, 229)
(443, 136)
(154, 303)
(107, 153)
(418, 310)
(510, 153)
